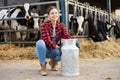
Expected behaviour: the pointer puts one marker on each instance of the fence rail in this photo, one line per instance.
(29, 30)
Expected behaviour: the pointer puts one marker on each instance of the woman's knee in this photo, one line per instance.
(56, 52)
(57, 55)
(40, 43)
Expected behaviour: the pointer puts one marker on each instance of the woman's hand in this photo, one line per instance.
(78, 44)
(57, 46)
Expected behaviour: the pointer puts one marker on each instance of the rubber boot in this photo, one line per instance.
(43, 70)
(54, 65)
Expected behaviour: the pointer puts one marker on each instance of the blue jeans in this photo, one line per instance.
(42, 52)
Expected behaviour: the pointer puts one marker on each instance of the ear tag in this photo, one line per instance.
(19, 9)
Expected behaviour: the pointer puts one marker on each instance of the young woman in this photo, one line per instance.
(52, 32)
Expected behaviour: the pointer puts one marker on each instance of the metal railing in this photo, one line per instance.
(30, 30)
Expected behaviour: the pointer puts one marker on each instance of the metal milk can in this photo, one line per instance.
(70, 58)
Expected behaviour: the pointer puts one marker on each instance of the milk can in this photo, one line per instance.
(69, 58)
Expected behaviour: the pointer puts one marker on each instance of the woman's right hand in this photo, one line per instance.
(57, 46)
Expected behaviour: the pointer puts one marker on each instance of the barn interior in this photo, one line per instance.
(95, 50)
(98, 60)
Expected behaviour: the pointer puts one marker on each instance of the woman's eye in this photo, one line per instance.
(56, 13)
(52, 13)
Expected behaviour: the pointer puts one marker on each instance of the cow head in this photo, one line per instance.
(26, 7)
(76, 24)
(24, 11)
(80, 20)
(35, 20)
(33, 23)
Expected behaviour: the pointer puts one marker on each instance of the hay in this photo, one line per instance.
(89, 49)
(105, 49)
(10, 51)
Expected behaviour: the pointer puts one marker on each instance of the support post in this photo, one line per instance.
(63, 11)
(5, 2)
(109, 9)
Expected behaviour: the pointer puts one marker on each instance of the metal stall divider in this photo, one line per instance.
(31, 4)
(82, 6)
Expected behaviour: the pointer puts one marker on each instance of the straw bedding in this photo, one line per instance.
(88, 49)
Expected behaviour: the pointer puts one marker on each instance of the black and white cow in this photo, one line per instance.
(116, 28)
(3, 13)
(100, 32)
(3, 25)
(33, 23)
(76, 25)
(20, 24)
(80, 20)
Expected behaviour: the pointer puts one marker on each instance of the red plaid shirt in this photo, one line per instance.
(47, 33)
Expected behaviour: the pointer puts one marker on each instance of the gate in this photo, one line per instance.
(56, 3)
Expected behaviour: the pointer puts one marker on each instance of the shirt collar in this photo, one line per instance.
(49, 22)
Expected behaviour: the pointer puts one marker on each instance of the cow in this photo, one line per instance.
(33, 24)
(2, 16)
(116, 28)
(76, 25)
(4, 24)
(80, 20)
(19, 24)
(100, 32)
(23, 24)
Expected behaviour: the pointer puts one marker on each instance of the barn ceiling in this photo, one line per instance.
(115, 4)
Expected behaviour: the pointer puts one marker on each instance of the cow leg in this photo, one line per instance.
(33, 35)
(1, 37)
(36, 35)
(5, 37)
(15, 26)
(24, 34)
(18, 36)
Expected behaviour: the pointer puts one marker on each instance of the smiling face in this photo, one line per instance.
(53, 14)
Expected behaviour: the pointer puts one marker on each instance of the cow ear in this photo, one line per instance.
(33, 7)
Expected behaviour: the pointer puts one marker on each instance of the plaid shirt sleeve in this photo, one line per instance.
(65, 33)
(46, 36)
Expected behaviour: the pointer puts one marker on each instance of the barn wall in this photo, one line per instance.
(40, 9)
(99, 3)
(15, 2)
